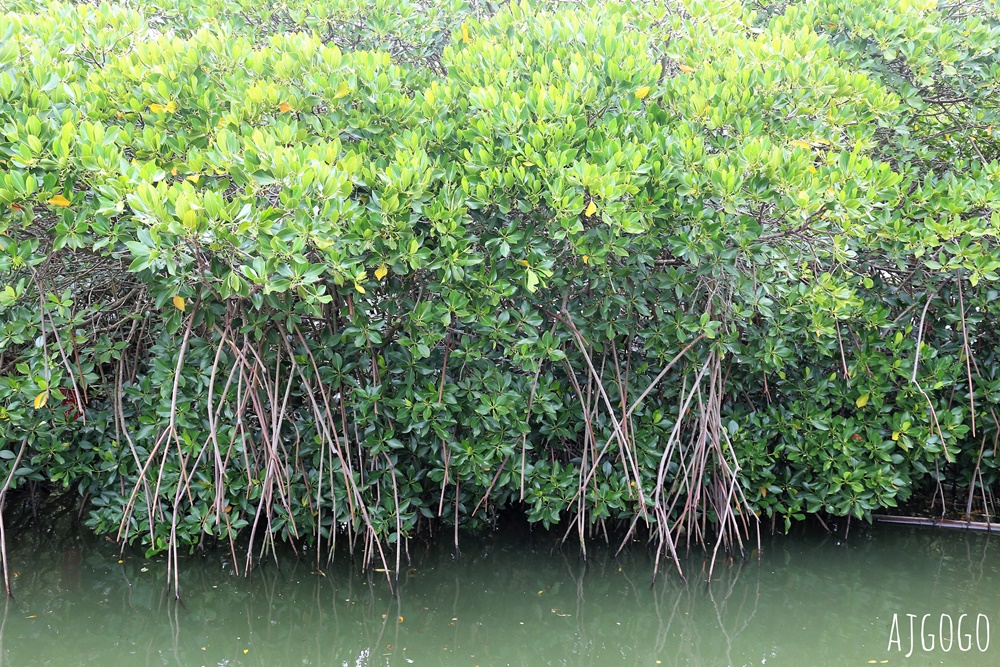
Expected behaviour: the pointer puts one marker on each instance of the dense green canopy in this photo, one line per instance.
(358, 268)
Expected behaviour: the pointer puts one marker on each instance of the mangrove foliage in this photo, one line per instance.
(348, 272)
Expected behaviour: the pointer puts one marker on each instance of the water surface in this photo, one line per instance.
(513, 599)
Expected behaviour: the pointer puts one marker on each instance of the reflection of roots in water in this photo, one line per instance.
(134, 601)
(734, 599)
(173, 607)
(663, 613)
(734, 604)
(722, 598)
(3, 625)
(348, 600)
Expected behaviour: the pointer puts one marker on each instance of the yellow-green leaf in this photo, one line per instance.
(178, 302)
(531, 279)
(586, 259)
(170, 107)
(194, 178)
(41, 399)
(895, 435)
(465, 34)
(359, 288)
(156, 108)
(59, 200)
(342, 90)
(381, 272)
(642, 92)
(862, 400)
(521, 262)
(591, 209)
(798, 143)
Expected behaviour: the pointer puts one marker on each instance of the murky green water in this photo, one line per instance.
(512, 600)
